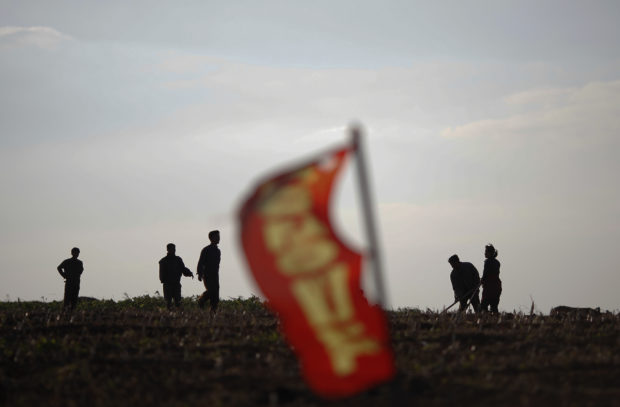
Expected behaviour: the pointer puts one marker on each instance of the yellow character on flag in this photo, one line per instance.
(326, 302)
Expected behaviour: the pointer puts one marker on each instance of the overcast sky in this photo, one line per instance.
(128, 125)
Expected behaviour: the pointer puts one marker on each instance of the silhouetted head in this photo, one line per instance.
(75, 252)
(171, 248)
(490, 252)
(454, 261)
(214, 236)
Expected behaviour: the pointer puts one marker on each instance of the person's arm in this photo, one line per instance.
(60, 270)
(161, 272)
(202, 264)
(81, 267)
(485, 272)
(476, 275)
(454, 286)
(217, 259)
(184, 270)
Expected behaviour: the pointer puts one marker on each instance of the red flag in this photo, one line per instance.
(312, 279)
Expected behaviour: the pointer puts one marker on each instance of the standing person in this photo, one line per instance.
(491, 284)
(171, 268)
(71, 270)
(208, 271)
(465, 282)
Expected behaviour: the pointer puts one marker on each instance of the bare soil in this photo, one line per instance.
(136, 353)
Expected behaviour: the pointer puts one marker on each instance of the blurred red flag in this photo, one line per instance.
(312, 279)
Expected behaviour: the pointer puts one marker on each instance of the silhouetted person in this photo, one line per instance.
(491, 284)
(465, 281)
(208, 271)
(171, 268)
(71, 270)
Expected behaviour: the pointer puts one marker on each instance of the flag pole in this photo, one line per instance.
(367, 209)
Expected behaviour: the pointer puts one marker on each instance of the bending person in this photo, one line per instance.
(465, 281)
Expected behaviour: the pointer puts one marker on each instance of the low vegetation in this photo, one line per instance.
(135, 352)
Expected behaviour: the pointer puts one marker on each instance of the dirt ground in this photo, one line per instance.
(135, 352)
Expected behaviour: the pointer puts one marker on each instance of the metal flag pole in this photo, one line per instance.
(373, 250)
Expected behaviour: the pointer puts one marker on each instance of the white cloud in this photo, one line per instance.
(540, 97)
(302, 102)
(186, 63)
(591, 111)
(36, 36)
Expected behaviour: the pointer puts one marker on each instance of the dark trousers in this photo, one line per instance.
(475, 303)
(211, 294)
(172, 291)
(72, 290)
(490, 295)
(486, 302)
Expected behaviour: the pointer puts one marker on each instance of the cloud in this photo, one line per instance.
(180, 63)
(557, 148)
(591, 111)
(540, 97)
(308, 103)
(36, 36)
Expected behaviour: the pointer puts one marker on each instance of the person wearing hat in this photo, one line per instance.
(171, 268)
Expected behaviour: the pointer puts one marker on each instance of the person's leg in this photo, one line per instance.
(494, 304)
(202, 299)
(205, 295)
(66, 301)
(71, 293)
(463, 305)
(484, 305)
(214, 295)
(475, 302)
(167, 296)
(177, 295)
(76, 293)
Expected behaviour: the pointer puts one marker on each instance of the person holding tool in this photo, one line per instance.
(465, 283)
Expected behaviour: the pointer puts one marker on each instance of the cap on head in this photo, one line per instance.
(454, 259)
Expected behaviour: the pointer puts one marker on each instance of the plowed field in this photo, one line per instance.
(136, 353)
